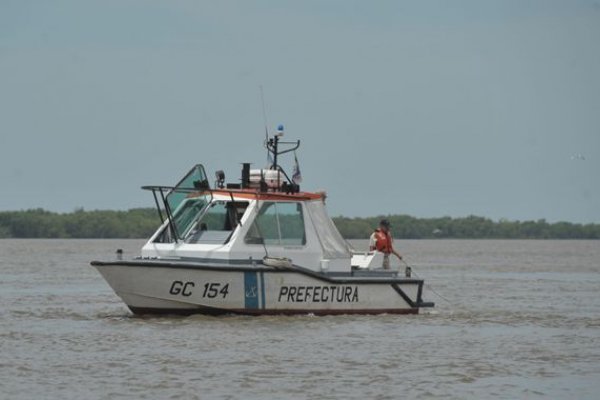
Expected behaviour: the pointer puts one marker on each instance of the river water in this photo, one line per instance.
(517, 319)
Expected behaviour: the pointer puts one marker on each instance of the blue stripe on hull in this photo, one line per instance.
(262, 289)
(251, 290)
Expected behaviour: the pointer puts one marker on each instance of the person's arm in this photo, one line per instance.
(394, 252)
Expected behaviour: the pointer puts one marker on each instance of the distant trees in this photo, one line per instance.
(38, 223)
(142, 222)
(471, 227)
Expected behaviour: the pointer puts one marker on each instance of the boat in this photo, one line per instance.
(257, 246)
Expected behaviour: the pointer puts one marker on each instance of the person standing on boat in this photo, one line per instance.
(381, 240)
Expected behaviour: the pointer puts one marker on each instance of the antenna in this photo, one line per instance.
(264, 111)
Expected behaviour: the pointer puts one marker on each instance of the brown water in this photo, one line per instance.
(523, 321)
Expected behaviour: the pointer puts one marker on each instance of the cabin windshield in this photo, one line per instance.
(184, 217)
(188, 212)
(194, 181)
(184, 205)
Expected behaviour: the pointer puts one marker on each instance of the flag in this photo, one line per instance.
(296, 174)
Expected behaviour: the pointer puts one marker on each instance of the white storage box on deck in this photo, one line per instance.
(273, 178)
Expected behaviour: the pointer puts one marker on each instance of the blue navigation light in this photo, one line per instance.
(280, 128)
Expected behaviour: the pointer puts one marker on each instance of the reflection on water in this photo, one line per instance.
(522, 321)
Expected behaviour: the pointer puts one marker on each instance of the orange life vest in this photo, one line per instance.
(383, 241)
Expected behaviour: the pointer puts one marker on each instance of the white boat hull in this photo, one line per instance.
(153, 287)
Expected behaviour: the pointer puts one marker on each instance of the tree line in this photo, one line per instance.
(80, 224)
(142, 222)
(471, 227)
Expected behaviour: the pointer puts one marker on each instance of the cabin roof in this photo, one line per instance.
(251, 194)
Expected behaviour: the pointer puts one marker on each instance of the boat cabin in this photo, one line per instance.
(264, 216)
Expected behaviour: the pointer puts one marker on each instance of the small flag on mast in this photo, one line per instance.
(296, 174)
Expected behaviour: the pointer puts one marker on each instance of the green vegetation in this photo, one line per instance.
(142, 222)
(38, 223)
(472, 227)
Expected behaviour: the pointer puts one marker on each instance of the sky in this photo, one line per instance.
(427, 108)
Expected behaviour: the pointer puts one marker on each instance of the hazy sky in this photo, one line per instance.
(428, 108)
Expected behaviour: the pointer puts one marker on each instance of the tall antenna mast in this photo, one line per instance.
(264, 111)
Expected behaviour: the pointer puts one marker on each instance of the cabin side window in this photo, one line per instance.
(218, 222)
(278, 224)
